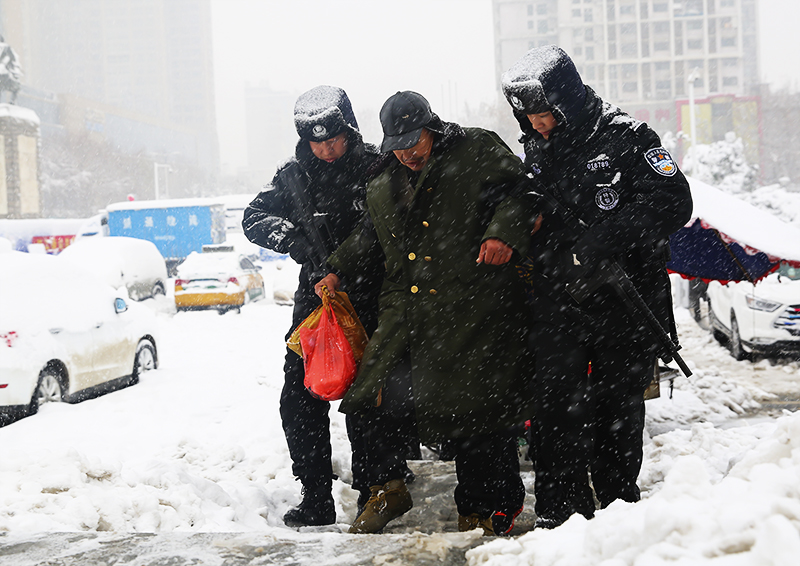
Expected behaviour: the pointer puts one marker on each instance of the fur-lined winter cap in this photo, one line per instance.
(322, 113)
(545, 80)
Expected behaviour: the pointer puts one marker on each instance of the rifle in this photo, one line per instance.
(313, 224)
(610, 272)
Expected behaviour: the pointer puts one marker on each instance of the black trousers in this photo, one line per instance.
(306, 425)
(587, 422)
(306, 421)
(487, 466)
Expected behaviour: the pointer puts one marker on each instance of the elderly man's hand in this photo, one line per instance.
(494, 252)
(331, 281)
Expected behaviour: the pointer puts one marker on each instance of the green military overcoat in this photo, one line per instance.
(463, 324)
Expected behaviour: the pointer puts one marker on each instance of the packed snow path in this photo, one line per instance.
(195, 454)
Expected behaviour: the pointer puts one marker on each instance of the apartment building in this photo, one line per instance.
(137, 73)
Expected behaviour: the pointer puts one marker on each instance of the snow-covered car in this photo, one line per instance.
(219, 279)
(64, 335)
(119, 261)
(762, 319)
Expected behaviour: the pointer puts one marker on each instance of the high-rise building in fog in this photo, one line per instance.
(271, 135)
(146, 63)
(639, 54)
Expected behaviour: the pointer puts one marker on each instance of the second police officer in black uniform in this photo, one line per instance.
(610, 171)
(324, 181)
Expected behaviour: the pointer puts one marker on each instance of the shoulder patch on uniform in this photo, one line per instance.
(661, 161)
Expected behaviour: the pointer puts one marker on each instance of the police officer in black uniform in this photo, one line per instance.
(610, 171)
(333, 161)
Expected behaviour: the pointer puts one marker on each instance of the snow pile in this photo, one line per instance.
(29, 305)
(710, 394)
(197, 446)
(118, 260)
(721, 164)
(209, 265)
(703, 513)
(18, 113)
(777, 201)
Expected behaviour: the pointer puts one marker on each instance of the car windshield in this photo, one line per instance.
(786, 270)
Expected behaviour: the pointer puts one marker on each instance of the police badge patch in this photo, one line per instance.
(319, 131)
(606, 198)
(661, 161)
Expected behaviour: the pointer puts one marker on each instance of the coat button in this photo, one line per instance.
(428, 258)
(414, 289)
(412, 256)
(430, 189)
(425, 223)
(432, 291)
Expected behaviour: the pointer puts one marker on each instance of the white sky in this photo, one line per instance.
(372, 48)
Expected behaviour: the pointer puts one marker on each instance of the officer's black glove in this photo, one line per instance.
(298, 244)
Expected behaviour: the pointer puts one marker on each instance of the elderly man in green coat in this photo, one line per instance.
(448, 208)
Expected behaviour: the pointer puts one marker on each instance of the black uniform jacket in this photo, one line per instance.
(610, 171)
(337, 190)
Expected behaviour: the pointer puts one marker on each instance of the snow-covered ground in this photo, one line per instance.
(197, 447)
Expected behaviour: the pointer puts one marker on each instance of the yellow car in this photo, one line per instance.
(220, 280)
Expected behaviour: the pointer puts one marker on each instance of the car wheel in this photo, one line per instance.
(737, 350)
(49, 389)
(144, 361)
(714, 324)
(158, 289)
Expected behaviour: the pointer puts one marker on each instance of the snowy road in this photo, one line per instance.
(778, 380)
(195, 454)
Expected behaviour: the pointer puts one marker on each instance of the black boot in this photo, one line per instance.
(316, 508)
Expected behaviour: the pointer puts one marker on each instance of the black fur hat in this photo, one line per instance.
(322, 113)
(545, 80)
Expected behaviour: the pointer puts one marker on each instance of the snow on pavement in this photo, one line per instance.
(197, 446)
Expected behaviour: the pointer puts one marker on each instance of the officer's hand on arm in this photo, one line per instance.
(494, 252)
(331, 281)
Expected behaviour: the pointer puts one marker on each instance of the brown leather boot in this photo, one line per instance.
(475, 521)
(388, 501)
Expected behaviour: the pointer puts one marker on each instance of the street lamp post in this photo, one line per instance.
(693, 76)
(156, 167)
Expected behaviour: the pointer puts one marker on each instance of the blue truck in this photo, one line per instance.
(177, 227)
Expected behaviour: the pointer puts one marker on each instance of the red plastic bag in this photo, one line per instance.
(328, 358)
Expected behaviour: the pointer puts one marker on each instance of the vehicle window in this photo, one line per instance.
(787, 270)
(247, 264)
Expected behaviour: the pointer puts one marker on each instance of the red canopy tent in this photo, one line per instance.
(728, 239)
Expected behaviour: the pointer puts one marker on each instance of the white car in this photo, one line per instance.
(119, 261)
(64, 335)
(762, 319)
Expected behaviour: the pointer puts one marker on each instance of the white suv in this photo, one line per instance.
(762, 319)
